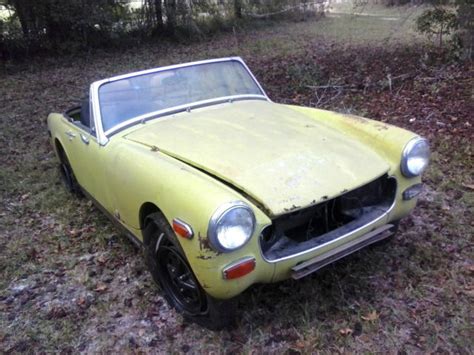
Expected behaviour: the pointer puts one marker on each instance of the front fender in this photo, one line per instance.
(139, 174)
(386, 140)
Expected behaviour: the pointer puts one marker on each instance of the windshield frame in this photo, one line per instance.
(104, 136)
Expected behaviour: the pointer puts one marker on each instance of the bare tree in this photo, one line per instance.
(170, 6)
(159, 15)
(24, 9)
(238, 8)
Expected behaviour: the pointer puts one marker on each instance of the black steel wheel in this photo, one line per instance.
(171, 271)
(178, 280)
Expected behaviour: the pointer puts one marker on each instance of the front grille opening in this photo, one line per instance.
(304, 229)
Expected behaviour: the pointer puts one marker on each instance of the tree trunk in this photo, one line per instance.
(54, 30)
(170, 15)
(159, 15)
(24, 15)
(238, 8)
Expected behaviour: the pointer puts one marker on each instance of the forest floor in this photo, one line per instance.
(69, 282)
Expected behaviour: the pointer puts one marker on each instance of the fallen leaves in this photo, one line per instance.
(468, 186)
(469, 291)
(116, 287)
(469, 268)
(299, 344)
(101, 259)
(346, 331)
(371, 316)
(101, 287)
(357, 329)
(81, 231)
(437, 109)
(24, 197)
(57, 312)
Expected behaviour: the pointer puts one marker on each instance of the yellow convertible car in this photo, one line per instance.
(223, 188)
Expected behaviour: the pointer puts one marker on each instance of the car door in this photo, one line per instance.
(86, 155)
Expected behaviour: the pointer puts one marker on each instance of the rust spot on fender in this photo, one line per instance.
(205, 246)
(201, 241)
(381, 126)
(204, 257)
(292, 208)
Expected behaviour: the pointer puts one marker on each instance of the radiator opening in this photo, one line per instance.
(304, 229)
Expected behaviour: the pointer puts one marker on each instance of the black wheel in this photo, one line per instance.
(178, 280)
(172, 272)
(67, 175)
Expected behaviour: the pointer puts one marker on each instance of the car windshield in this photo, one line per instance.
(135, 96)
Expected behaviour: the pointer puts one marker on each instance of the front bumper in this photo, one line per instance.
(285, 269)
(318, 262)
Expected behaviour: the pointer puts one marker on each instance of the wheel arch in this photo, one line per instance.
(59, 148)
(147, 209)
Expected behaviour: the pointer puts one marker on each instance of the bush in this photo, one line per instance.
(437, 21)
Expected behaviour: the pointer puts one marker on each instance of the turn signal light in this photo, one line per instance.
(412, 191)
(182, 229)
(239, 269)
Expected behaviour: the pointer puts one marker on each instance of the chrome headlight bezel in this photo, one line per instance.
(407, 155)
(219, 215)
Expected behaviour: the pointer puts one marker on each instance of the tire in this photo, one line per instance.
(67, 175)
(171, 271)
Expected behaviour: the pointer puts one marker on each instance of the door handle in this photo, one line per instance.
(70, 134)
(84, 139)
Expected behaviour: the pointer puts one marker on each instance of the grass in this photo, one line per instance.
(69, 282)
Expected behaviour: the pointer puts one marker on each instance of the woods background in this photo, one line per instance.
(71, 26)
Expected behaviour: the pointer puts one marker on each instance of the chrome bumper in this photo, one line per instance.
(307, 267)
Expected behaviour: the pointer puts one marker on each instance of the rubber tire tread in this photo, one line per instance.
(220, 314)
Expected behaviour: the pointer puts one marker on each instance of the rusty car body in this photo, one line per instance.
(224, 188)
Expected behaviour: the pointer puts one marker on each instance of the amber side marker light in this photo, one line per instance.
(182, 229)
(239, 268)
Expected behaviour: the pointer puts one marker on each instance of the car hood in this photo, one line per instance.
(278, 157)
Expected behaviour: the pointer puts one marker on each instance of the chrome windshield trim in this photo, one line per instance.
(181, 108)
(103, 137)
(94, 98)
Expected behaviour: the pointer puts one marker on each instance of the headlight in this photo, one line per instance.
(231, 226)
(415, 157)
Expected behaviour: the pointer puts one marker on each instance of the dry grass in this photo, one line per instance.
(68, 282)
